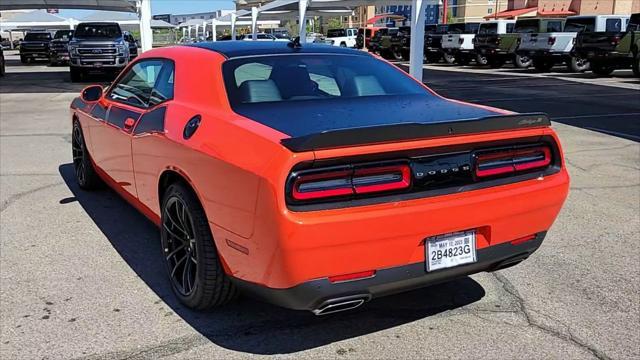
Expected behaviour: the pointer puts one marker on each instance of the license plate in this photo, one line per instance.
(97, 64)
(449, 250)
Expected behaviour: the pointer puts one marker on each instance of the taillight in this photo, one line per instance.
(552, 40)
(615, 41)
(347, 181)
(512, 160)
(498, 40)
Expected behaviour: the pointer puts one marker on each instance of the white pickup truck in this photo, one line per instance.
(551, 48)
(342, 37)
(457, 44)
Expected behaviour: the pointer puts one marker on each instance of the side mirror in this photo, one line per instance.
(92, 93)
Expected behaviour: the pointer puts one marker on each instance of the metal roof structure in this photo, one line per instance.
(232, 49)
(112, 5)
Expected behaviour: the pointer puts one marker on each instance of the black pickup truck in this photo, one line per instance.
(59, 47)
(616, 48)
(35, 46)
(433, 43)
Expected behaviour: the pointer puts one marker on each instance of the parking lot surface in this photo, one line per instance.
(81, 273)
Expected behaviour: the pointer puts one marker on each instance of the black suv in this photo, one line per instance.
(35, 46)
(59, 47)
(97, 47)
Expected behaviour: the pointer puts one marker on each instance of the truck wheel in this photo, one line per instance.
(601, 69)
(192, 260)
(397, 54)
(542, 65)
(76, 74)
(482, 60)
(522, 61)
(578, 64)
(449, 58)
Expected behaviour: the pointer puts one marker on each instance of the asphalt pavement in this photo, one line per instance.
(81, 273)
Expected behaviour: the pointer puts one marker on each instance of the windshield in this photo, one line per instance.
(269, 79)
(37, 37)
(490, 29)
(63, 34)
(580, 25)
(336, 33)
(98, 31)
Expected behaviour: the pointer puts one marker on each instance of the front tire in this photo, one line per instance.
(601, 69)
(193, 264)
(86, 175)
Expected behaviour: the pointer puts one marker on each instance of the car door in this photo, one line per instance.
(128, 99)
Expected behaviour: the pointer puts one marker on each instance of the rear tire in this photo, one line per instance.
(578, 64)
(86, 175)
(542, 65)
(636, 64)
(522, 61)
(601, 69)
(482, 60)
(193, 264)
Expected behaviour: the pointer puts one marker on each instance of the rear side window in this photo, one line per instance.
(336, 33)
(510, 27)
(312, 77)
(145, 84)
(613, 25)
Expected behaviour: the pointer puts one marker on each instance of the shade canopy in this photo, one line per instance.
(112, 5)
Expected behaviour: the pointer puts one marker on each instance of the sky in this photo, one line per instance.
(169, 7)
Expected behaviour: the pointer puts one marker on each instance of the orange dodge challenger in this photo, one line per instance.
(314, 177)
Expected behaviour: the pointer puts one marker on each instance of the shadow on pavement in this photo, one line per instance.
(248, 325)
(56, 80)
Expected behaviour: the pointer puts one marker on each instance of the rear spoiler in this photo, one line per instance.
(412, 131)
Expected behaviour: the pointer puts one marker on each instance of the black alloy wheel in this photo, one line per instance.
(85, 173)
(191, 258)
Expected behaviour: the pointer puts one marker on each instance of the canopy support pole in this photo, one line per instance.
(233, 26)
(254, 23)
(214, 29)
(416, 53)
(302, 9)
(146, 35)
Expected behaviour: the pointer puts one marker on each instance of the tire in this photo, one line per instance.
(187, 243)
(636, 64)
(406, 55)
(75, 74)
(542, 65)
(397, 54)
(577, 64)
(482, 60)
(86, 175)
(449, 58)
(522, 61)
(601, 69)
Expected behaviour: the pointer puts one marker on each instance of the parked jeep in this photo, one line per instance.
(97, 47)
(614, 48)
(433, 44)
(374, 44)
(510, 42)
(35, 46)
(363, 39)
(342, 37)
(59, 47)
(550, 48)
(391, 43)
(457, 45)
(486, 43)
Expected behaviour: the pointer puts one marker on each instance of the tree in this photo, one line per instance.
(334, 23)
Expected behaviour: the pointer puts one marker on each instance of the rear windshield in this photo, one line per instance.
(491, 28)
(462, 28)
(634, 23)
(336, 33)
(527, 26)
(580, 25)
(98, 31)
(271, 79)
(442, 29)
(63, 34)
(37, 37)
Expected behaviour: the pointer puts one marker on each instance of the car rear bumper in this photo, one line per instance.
(543, 53)
(319, 294)
(34, 53)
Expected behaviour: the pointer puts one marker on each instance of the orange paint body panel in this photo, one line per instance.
(239, 170)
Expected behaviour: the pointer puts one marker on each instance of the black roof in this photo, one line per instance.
(232, 49)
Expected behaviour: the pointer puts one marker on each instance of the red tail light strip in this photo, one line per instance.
(381, 179)
(509, 161)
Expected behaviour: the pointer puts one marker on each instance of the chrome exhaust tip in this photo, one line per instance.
(340, 304)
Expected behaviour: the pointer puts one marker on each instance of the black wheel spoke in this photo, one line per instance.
(173, 253)
(174, 235)
(179, 246)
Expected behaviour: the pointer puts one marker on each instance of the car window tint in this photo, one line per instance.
(613, 25)
(491, 29)
(587, 24)
(554, 26)
(163, 88)
(317, 77)
(135, 87)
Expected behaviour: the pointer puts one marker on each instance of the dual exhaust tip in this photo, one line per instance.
(333, 306)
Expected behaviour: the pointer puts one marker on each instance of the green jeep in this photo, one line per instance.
(510, 41)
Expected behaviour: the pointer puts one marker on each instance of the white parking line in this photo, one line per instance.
(615, 133)
(594, 116)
